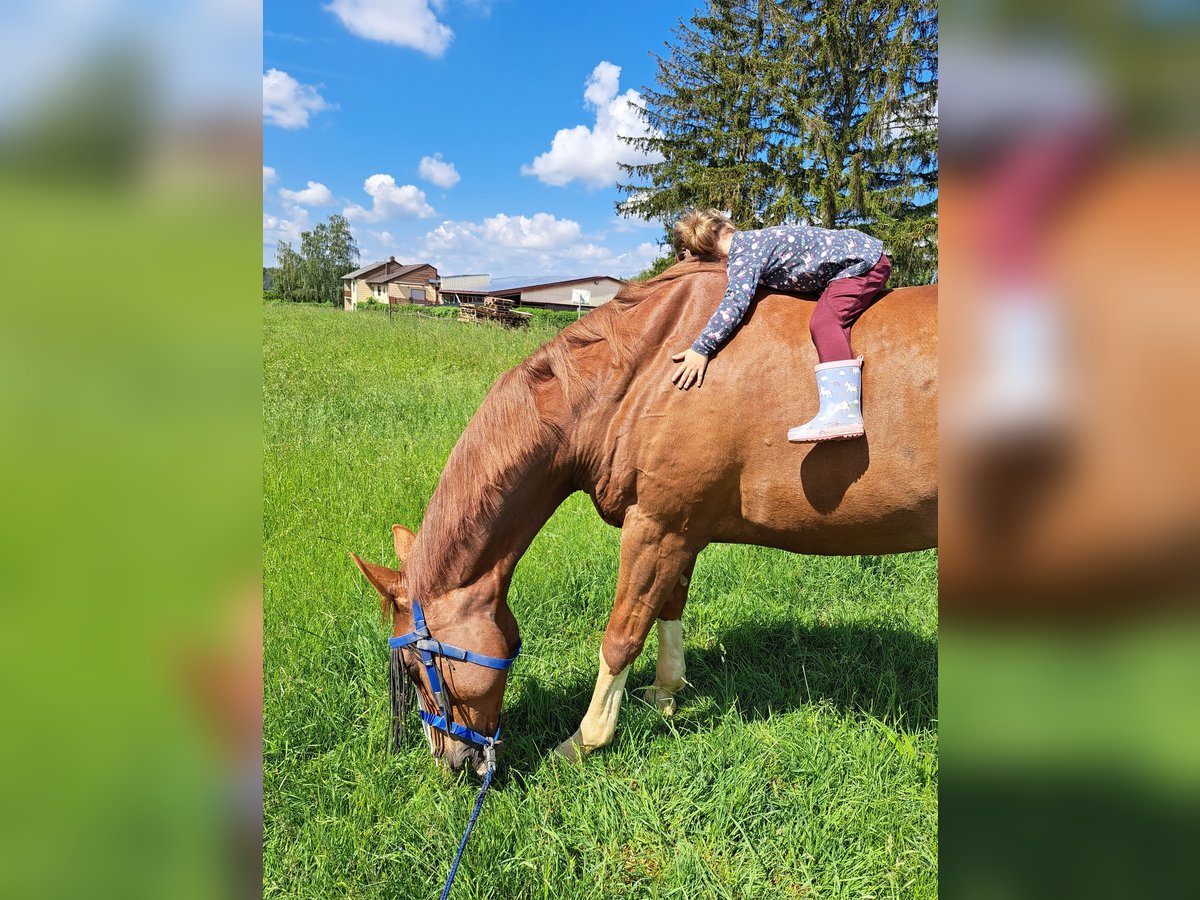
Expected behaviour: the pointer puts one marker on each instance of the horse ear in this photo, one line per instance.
(386, 581)
(404, 541)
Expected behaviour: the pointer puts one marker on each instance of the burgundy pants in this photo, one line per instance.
(840, 305)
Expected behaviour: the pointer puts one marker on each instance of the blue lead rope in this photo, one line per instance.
(427, 648)
(487, 780)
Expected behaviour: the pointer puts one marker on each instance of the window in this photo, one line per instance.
(417, 294)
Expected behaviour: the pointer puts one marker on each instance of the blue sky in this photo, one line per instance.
(478, 135)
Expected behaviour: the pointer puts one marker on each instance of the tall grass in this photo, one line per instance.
(802, 761)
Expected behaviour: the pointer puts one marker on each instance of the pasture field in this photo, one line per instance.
(803, 759)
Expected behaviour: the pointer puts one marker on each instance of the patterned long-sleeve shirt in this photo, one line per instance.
(790, 258)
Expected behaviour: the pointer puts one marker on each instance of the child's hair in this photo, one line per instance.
(699, 231)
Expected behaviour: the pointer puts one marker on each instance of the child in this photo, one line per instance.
(848, 267)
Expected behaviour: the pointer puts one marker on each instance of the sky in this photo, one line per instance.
(477, 135)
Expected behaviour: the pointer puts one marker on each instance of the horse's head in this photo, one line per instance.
(454, 651)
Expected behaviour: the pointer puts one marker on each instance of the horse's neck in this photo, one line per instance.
(512, 468)
(485, 512)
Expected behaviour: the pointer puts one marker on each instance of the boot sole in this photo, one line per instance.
(830, 437)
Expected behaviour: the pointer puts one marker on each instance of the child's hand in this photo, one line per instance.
(691, 369)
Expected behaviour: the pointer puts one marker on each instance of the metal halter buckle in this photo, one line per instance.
(489, 754)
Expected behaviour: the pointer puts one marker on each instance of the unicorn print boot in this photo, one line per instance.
(839, 387)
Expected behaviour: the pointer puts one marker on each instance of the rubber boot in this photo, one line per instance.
(1021, 390)
(839, 388)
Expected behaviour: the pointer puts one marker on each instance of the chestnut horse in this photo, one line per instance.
(594, 410)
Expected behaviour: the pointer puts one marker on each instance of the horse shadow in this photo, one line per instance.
(753, 671)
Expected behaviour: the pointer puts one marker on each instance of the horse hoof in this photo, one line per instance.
(571, 749)
(660, 699)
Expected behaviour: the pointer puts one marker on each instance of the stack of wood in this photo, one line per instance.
(493, 309)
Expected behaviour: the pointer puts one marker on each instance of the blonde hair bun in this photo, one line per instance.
(699, 231)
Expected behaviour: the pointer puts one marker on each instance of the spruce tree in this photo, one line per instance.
(857, 133)
(818, 112)
(709, 119)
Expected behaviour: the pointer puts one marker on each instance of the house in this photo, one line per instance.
(553, 292)
(390, 282)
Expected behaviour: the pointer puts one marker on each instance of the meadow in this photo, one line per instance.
(802, 761)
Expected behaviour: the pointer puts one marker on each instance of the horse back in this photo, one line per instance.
(717, 457)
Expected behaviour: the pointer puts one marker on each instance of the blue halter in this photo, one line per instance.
(427, 648)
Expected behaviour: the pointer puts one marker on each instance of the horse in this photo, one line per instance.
(594, 410)
(1107, 524)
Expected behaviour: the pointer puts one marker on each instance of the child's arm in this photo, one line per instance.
(744, 269)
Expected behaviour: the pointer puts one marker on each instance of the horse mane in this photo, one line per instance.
(510, 432)
(505, 436)
(555, 360)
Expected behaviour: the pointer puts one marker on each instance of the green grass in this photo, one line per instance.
(802, 761)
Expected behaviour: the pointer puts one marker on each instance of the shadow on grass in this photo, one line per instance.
(757, 670)
(1050, 832)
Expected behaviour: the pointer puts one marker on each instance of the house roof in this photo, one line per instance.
(385, 277)
(366, 268)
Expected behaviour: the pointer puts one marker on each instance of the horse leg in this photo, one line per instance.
(669, 673)
(652, 561)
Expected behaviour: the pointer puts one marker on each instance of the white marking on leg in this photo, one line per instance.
(670, 670)
(669, 674)
(598, 725)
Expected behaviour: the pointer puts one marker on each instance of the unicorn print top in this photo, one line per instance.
(790, 258)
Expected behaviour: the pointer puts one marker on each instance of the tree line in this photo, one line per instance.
(819, 112)
(314, 273)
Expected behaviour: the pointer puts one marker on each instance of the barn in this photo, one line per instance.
(552, 292)
(454, 288)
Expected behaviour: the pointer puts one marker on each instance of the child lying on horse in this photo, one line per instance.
(847, 267)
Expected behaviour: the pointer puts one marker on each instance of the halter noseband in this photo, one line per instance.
(427, 648)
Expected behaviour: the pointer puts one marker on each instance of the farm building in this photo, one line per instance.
(547, 293)
(453, 285)
(390, 282)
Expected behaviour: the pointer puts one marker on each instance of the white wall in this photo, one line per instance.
(603, 290)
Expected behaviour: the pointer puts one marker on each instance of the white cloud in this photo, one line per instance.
(437, 171)
(390, 201)
(316, 194)
(405, 23)
(276, 228)
(288, 103)
(524, 245)
(591, 154)
(602, 84)
(269, 177)
(541, 232)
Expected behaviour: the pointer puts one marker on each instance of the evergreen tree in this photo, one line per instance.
(818, 112)
(709, 119)
(858, 131)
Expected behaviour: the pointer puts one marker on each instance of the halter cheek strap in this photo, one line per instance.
(427, 648)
